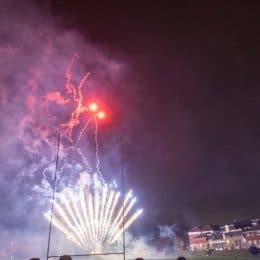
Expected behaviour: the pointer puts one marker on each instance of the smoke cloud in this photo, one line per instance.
(38, 58)
(35, 55)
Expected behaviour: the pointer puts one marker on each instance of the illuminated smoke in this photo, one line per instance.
(90, 113)
(45, 84)
(90, 214)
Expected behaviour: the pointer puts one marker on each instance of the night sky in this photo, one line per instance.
(193, 103)
(180, 80)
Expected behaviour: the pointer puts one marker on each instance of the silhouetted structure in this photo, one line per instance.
(181, 258)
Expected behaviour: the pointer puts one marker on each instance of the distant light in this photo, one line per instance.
(101, 115)
(93, 107)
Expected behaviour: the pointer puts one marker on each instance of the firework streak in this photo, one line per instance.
(92, 215)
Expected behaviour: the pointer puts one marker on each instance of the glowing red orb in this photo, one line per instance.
(101, 115)
(93, 107)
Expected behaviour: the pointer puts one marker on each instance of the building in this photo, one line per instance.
(217, 241)
(208, 230)
(199, 237)
(239, 235)
(252, 236)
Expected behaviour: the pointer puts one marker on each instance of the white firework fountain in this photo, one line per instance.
(93, 215)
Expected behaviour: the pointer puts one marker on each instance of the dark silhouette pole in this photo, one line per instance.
(53, 195)
(123, 185)
(53, 198)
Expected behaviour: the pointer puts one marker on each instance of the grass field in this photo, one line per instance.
(217, 255)
(225, 255)
(220, 255)
(212, 258)
(215, 258)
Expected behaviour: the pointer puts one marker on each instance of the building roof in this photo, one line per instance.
(253, 228)
(207, 228)
(194, 229)
(245, 223)
(210, 228)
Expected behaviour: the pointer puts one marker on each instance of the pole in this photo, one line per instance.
(123, 186)
(53, 196)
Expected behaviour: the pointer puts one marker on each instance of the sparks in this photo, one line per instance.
(91, 216)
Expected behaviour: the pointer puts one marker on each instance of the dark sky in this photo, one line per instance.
(193, 108)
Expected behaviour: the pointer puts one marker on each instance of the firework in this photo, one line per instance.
(93, 215)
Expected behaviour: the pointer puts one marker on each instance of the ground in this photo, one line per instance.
(222, 255)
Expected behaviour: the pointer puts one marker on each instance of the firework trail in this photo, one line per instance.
(83, 130)
(76, 92)
(80, 108)
(36, 78)
(92, 215)
(75, 96)
(97, 148)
